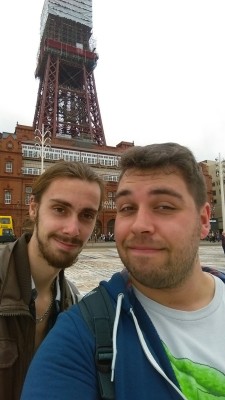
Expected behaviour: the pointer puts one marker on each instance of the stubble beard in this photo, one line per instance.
(56, 260)
(172, 273)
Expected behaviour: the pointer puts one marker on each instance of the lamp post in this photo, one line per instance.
(42, 140)
(220, 172)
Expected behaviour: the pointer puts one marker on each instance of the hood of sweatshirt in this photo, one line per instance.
(124, 300)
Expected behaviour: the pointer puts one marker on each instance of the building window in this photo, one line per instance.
(109, 204)
(27, 199)
(31, 171)
(8, 166)
(8, 197)
(109, 178)
(28, 192)
(111, 194)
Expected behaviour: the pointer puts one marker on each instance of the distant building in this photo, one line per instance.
(20, 164)
(216, 204)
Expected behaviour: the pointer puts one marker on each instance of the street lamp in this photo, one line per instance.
(220, 173)
(42, 141)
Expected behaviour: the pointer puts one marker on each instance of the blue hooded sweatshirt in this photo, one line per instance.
(64, 366)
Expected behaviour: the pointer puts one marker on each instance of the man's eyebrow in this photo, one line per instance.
(61, 202)
(88, 209)
(67, 204)
(168, 191)
(154, 192)
(122, 193)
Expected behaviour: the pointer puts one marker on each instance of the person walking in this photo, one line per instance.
(223, 241)
(64, 205)
(168, 334)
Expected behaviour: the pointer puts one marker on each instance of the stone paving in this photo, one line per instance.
(99, 262)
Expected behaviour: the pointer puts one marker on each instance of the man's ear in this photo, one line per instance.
(205, 219)
(33, 208)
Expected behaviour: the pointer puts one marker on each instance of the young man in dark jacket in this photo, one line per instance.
(64, 205)
(168, 334)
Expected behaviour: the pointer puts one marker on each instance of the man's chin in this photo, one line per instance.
(61, 262)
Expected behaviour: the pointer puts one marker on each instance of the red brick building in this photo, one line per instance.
(20, 164)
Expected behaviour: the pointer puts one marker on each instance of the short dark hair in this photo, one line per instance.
(65, 169)
(168, 156)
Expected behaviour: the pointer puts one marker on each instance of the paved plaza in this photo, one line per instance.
(99, 261)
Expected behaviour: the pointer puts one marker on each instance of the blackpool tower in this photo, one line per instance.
(67, 103)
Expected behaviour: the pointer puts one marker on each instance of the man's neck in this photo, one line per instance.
(195, 293)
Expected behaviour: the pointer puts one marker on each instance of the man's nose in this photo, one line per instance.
(143, 222)
(72, 226)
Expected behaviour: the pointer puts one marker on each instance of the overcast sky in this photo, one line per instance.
(160, 75)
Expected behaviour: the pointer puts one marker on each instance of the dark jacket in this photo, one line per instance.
(223, 241)
(17, 316)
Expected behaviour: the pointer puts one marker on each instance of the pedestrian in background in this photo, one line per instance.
(64, 205)
(168, 334)
(223, 241)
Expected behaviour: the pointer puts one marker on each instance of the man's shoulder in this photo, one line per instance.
(5, 253)
(215, 272)
(73, 291)
(14, 253)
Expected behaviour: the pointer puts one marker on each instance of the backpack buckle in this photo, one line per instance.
(103, 358)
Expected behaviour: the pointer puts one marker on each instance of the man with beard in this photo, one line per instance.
(64, 205)
(168, 333)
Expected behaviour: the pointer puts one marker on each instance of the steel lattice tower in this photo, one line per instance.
(67, 103)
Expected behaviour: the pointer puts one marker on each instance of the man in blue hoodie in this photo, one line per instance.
(168, 336)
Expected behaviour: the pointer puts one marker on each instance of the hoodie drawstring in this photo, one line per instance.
(150, 356)
(144, 346)
(114, 335)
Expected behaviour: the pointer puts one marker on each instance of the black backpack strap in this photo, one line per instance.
(215, 272)
(97, 310)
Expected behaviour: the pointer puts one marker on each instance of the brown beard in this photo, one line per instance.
(65, 260)
(172, 273)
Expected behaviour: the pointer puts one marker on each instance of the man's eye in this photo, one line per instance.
(165, 207)
(59, 210)
(87, 215)
(125, 209)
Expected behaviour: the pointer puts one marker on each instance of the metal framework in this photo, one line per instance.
(67, 103)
